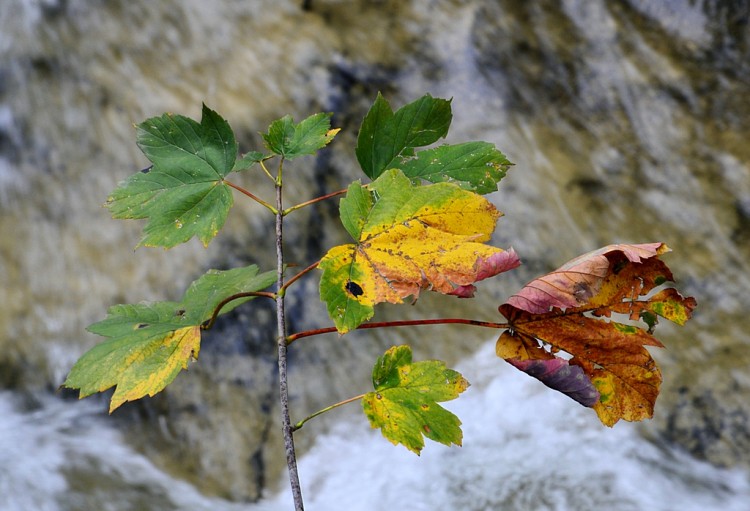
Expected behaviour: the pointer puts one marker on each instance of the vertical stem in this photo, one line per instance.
(291, 457)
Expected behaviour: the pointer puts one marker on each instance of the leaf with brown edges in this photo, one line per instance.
(570, 310)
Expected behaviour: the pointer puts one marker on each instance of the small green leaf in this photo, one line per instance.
(372, 152)
(355, 208)
(279, 135)
(670, 305)
(247, 161)
(291, 140)
(148, 344)
(405, 405)
(476, 166)
(386, 138)
(206, 293)
(183, 194)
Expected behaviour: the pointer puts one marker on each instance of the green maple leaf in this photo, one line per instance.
(148, 344)
(247, 161)
(386, 137)
(476, 166)
(405, 405)
(388, 140)
(291, 140)
(183, 194)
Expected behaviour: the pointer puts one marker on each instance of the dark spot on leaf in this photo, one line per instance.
(140, 325)
(147, 169)
(354, 289)
(180, 312)
(617, 268)
(582, 291)
(426, 428)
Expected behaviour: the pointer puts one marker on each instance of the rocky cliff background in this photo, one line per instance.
(627, 121)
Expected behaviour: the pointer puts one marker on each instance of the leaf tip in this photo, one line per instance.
(663, 249)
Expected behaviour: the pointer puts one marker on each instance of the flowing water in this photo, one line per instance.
(628, 122)
(524, 448)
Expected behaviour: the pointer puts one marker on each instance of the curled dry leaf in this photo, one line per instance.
(570, 309)
(575, 282)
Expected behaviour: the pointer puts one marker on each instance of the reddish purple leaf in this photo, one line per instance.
(557, 374)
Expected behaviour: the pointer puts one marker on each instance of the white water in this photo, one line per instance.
(525, 448)
(64, 456)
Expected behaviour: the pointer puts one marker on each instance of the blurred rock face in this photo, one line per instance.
(627, 123)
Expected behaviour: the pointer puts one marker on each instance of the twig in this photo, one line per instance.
(412, 322)
(255, 198)
(300, 274)
(286, 422)
(313, 201)
(208, 325)
(265, 169)
(324, 410)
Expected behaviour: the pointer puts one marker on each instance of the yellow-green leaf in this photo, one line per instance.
(148, 344)
(153, 367)
(405, 405)
(408, 238)
(291, 140)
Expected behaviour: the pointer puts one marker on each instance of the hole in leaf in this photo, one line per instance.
(650, 319)
(354, 289)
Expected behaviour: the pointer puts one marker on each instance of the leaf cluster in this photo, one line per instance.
(420, 222)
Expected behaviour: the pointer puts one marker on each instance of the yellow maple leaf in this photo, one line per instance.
(408, 238)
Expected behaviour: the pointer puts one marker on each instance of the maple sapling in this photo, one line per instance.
(421, 223)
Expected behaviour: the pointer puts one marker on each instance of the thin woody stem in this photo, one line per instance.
(286, 422)
(313, 201)
(255, 198)
(414, 322)
(326, 409)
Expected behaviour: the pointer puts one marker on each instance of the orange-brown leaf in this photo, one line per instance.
(571, 310)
